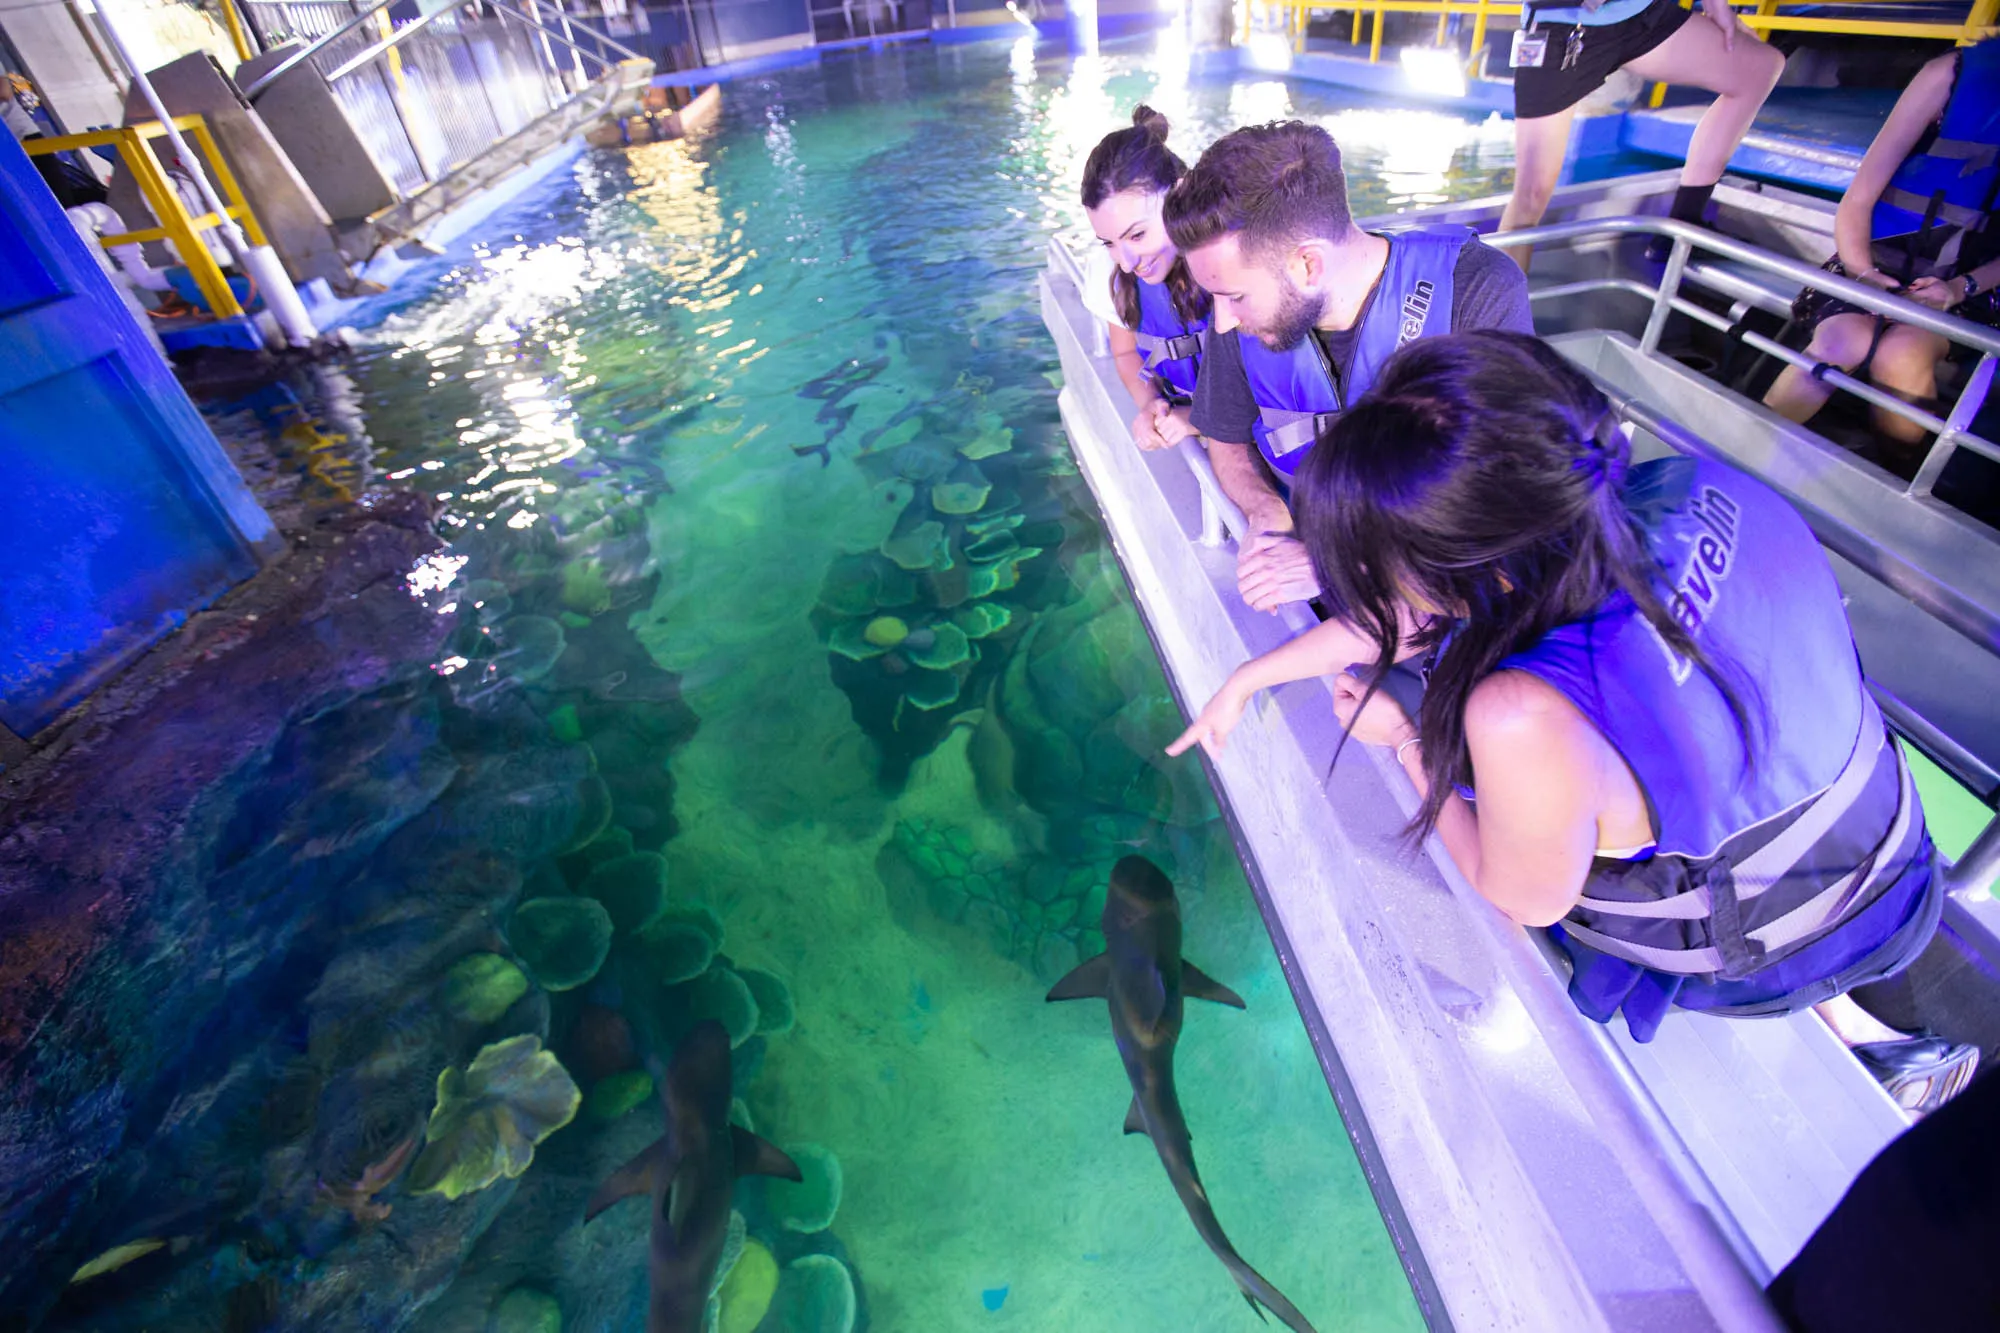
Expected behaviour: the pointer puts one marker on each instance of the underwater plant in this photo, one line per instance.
(815, 1295)
(480, 987)
(810, 1204)
(490, 1115)
(562, 940)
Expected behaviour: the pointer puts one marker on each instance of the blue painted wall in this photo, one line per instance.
(119, 513)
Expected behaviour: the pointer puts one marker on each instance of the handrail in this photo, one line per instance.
(555, 36)
(387, 44)
(311, 49)
(1951, 432)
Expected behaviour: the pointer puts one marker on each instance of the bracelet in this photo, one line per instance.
(1406, 745)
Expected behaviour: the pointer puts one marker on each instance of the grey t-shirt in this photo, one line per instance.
(1489, 291)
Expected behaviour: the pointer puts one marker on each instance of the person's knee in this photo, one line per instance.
(1841, 341)
(1907, 361)
(1753, 70)
(1533, 190)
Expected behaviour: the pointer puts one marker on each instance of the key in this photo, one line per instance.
(1573, 47)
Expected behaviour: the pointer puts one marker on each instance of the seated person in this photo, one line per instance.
(1644, 719)
(1138, 283)
(1564, 53)
(1917, 220)
(1317, 306)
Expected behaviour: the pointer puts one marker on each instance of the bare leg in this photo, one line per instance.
(1854, 1025)
(1906, 365)
(1741, 75)
(1842, 341)
(1540, 144)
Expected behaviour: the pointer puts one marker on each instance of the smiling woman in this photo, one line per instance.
(1158, 317)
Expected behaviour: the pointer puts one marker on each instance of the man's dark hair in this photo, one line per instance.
(1273, 185)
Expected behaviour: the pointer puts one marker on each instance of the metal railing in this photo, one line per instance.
(431, 94)
(1762, 16)
(173, 222)
(1970, 878)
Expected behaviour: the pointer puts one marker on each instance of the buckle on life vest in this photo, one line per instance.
(1182, 347)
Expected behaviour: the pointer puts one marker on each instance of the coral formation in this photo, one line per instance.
(775, 1014)
(611, 1098)
(481, 986)
(885, 632)
(721, 995)
(746, 1293)
(563, 941)
(525, 1310)
(632, 888)
(807, 1205)
(490, 1115)
(815, 1295)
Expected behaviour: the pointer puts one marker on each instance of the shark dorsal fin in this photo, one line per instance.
(1089, 980)
(635, 1177)
(761, 1157)
(1135, 1119)
(1202, 986)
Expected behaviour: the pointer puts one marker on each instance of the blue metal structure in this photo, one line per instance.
(119, 513)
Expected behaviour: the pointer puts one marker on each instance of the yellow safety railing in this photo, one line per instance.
(176, 224)
(1762, 16)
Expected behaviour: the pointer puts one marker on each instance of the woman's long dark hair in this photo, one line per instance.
(1139, 159)
(1482, 474)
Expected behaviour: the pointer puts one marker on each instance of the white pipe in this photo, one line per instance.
(259, 263)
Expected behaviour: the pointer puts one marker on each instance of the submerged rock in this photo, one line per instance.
(525, 1310)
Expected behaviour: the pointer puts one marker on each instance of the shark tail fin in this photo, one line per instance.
(1089, 980)
(761, 1157)
(635, 1177)
(1263, 1296)
(1202, 986)
(1135, 1119)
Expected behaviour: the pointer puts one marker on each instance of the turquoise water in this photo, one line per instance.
(748, 456)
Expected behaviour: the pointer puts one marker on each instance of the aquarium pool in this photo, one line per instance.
(750, 466)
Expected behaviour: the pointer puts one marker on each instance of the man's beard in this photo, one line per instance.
(1297, 314)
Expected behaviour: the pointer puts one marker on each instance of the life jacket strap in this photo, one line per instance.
(1678, 962)
(1694, 905)
(1827, 906)
(1287, 432)
(1177, 348)
(1759, 870)
(1966, 219)
(1976, 156)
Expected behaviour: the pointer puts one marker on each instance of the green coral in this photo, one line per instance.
(529, 645)
(721, 995)
(525, 1310)
(886, 632)
(480, 987)
(584, 588)
(614, 1096)
(677, 951)
(850, 639)
(490, 1115)
(609, 845)
(775, 1014)
(996, 440)
(564, 724)
(981, 619)
(632, 888)
(931, 689)
(696, 915)
(563, 941)
(963, 494)
(922, 547)
(595, 816)
(991, 546)
(808, 1205)
(947, 648)
(747, 1291)
(815, 1295)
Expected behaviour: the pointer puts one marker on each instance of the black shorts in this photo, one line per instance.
(1548, 88)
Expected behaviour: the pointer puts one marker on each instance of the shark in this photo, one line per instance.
(1144, 980)
(689, 1173)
